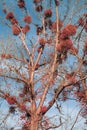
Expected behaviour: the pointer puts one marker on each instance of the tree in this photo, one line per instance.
(47, 55)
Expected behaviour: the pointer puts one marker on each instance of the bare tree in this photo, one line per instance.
(46, 51)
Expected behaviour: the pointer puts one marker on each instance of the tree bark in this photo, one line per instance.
(34, 122)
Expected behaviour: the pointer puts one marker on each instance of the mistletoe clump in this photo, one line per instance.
(48, 13)
(11, 18)
(37, 1)
(43, 109)
(10, 15)
(64, 45)
(39, 8)
(16, 30)
(40, 49)
(42, 41)
(21, 3)
(56, 2)
(6, 56)
(54, 25)
(39, 30)
(81, 96)
(25, 29)
(68, 31)
(11, 100)
(28, 19)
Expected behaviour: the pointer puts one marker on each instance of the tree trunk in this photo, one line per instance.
(34, 123)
